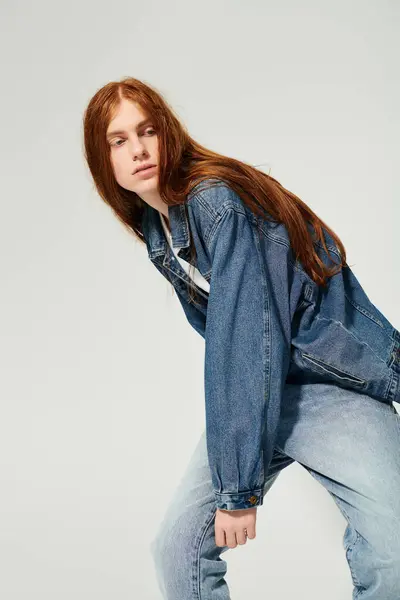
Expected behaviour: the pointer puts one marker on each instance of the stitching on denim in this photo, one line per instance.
(255, 490)
(330, 368)
(349, 553)
(274, 238)
(266, 342)
(277, 240)
(331, 248)
(364, 312)
(226, 206)
(255, 220)
(389, 385)
(196, 561)
(351, 546)
(203, 203)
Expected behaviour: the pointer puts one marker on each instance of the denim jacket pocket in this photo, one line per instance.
(339, 375)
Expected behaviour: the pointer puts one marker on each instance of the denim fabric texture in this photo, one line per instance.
(265, 323)
(349, 443)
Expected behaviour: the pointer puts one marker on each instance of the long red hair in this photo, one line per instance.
(183, 163)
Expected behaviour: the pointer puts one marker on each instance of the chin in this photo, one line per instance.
(148, 184)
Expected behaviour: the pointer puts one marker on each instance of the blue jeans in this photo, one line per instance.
(347, 441)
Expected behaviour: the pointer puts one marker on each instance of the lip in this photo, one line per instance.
(145, 169)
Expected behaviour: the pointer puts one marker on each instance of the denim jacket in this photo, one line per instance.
(265, 322)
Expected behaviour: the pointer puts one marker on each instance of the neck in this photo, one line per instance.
(166, 221)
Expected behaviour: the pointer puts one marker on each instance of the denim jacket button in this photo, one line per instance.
(253, 499)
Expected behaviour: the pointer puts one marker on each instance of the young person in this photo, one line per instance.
(300, 365)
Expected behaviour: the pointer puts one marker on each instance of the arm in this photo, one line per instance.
(246, 359)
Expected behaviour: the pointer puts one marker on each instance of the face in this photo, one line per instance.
(133, 143)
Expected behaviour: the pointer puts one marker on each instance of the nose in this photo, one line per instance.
(138, 149)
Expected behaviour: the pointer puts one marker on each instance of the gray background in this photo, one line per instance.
(102, 377)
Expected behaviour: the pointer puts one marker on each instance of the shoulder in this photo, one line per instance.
(213, 205)
(214, 197)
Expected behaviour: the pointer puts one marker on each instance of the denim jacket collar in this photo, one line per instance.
(154, 233)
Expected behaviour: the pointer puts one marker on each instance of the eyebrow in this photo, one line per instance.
(121, 131)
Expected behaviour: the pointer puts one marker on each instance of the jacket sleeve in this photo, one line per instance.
(247, 356)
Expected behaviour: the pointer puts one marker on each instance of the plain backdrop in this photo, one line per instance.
(102, 397)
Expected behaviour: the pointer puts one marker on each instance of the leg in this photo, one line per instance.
(350, 443)
(187, 561)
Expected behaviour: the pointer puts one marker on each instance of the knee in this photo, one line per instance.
(174, 558)
(391, 574)
(170, 545)
(389, 585)
(378, 565)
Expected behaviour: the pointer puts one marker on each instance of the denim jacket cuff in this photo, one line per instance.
(239, 501)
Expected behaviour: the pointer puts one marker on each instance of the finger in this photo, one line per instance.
(241, 537)
(251, 532)
(220, 537)
(231, 539)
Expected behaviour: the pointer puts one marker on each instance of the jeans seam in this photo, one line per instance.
(351, 546)
(196, 561)
(349, 552)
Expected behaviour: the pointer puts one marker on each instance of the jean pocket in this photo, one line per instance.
(338, 374)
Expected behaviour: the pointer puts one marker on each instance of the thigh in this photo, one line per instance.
(350, 443)
(349, 437)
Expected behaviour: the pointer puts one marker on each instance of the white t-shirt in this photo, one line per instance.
(197, 277)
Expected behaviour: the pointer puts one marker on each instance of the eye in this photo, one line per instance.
(149, 129)
(114, 143)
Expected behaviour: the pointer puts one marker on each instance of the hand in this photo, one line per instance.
(230, 526)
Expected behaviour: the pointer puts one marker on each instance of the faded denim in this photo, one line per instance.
(347, 441)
